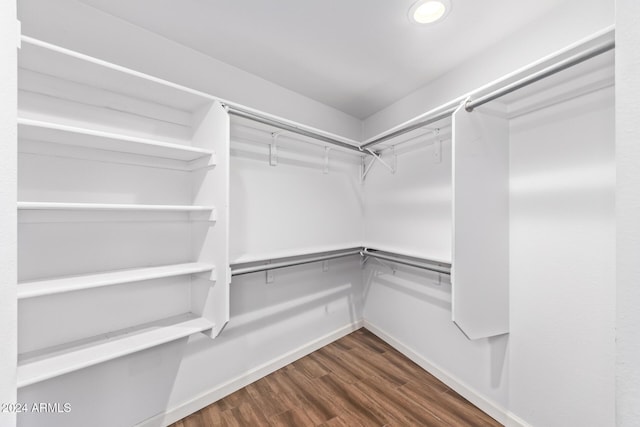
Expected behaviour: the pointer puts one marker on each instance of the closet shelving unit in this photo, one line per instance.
(85, 125)
(105, 155)
(480, 180)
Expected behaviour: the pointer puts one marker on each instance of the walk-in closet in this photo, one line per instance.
(340, 213)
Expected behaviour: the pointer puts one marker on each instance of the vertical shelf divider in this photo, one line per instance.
(480, 262)
(210, 295)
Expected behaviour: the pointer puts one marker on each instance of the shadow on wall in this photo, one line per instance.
(499, 346)
(261, 310)
(283, 312)
(431, 287)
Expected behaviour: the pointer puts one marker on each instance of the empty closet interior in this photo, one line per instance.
(176, 243)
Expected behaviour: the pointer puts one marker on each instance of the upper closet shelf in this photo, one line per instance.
(75, 283)
(110, 207)
(88, 138)
(42, 57)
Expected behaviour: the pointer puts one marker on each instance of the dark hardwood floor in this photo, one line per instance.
(358, 380)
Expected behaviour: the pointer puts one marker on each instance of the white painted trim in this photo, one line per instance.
(187, 408)
(489, 407)
(515, 421)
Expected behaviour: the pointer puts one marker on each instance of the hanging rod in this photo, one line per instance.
(423, 264)
(291, 128)
(435, 117)
(542, 74)
(472, 103)
(237, 269)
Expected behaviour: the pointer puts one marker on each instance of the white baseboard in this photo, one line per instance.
(491, 408)
(187, 408)
(515, 421)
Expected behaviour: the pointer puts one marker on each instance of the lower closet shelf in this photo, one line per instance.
(49, 363)
(76, 283)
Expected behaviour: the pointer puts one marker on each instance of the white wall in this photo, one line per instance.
(8, 163)
(68, 22)
(562, 249)
(409, 211)
(570, 22)
(294, 207)
(628, 212)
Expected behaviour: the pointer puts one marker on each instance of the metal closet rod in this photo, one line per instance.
(442, 113)
(437, 267)
(471, 104)
(542, 74)
(237, 269)
(294, 129)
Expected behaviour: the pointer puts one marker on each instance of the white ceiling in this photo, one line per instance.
(358, 56)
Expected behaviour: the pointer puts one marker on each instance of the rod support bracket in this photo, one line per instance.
(269, 275)
(326, 160)
(468, 108)
(365, 169)
(437, 151)
(273, 149)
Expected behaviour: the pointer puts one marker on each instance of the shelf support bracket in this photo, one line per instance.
(384, 264)
(376, 157)
(363, 259)
(391, 167)
(269, 275)
(273, 149)
(437, 146)
(208, 162)
(326, 160)
(366, 258)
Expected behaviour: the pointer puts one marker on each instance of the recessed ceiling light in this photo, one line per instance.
(429, 11)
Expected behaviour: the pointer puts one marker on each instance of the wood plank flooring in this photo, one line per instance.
(358, 380)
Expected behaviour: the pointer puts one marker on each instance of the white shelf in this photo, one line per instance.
(50, 364)
(75, 283)
(88, 138)
(82, 108)
(54, 206)
(42, 57)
